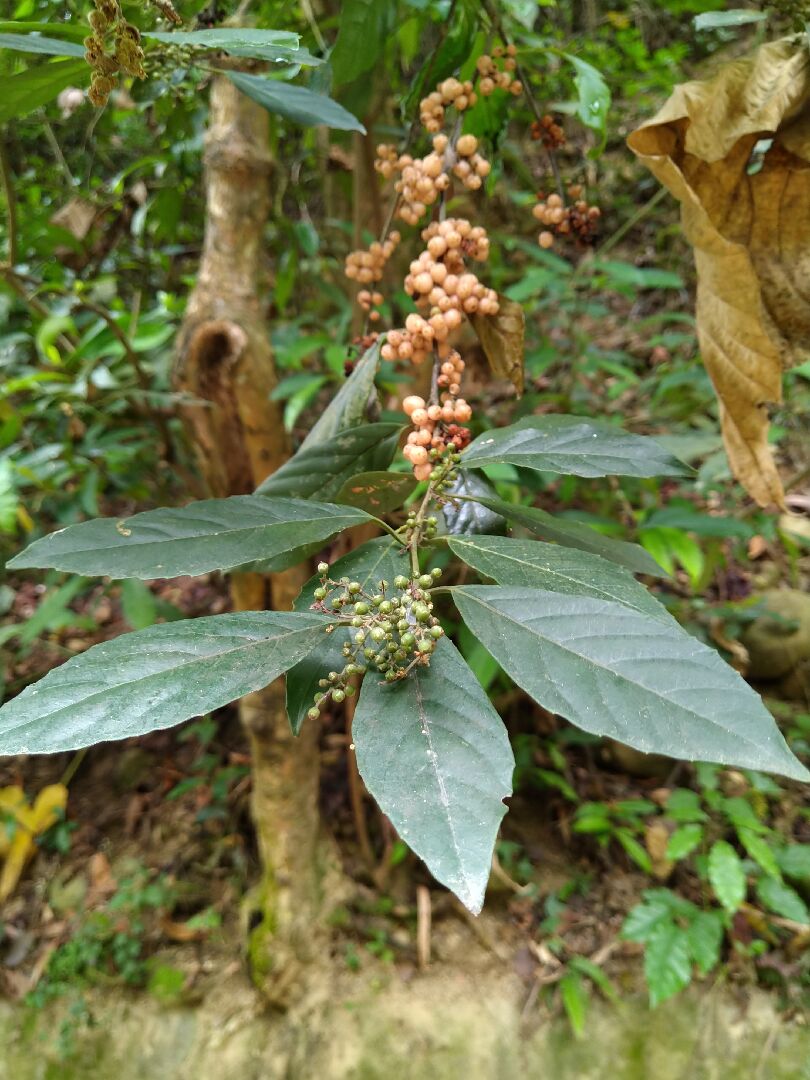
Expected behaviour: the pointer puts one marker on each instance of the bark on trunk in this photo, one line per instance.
(225, 362)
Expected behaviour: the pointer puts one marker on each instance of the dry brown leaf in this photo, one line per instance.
(501, 338)
(656, 838)
(750, 233)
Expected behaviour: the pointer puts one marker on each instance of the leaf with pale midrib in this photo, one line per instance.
(614, 671)
(536, 565)
(435, 755)
(156, 678)
(214, 534)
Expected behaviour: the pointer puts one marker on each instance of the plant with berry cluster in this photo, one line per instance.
(559, 606)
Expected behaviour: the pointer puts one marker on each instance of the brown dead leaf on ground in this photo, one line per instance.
(750, 232)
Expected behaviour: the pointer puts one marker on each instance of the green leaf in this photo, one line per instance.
(667, 962)
(726, 875)
(576, 535)
(596, 974)
(684, 805)
(155, 678)
(349, 407)
(378, 560)
(594, 97)
(575, 1001)
(72, 31)
(295, 103)
(713, 20)
(794, 861)
(377, 492)
(320, 471)
(782, 900)
(683, 841)
(760, 851)
(614, 671)
(534, 564)
(573, 446)
(360, 38)
(634, 849)
(704, 935)
(138, 604)
(215, 534)
(279, 46)
(26, 91)
(463, 518)
(435, 755)
(34, 43)
(643, 920)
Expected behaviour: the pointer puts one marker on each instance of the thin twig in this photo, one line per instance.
(7, 178)
(57, 152)
(423, 920)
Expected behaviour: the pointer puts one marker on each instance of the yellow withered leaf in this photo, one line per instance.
(750, 230)
(501, 338)
(28, 823)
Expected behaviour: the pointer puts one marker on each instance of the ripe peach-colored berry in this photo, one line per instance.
(545, 239)
(418, 455)
(422, 472)
(419, 414)
(467, 145)
(411, 403)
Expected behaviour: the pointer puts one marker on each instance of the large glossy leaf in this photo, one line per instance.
(378, 560)
(280, 46)
(571, 445)
(614, 671)
(35, 43)
(377, 492)
(576, 535)
(536, 565)
(593, 97)
(320, 471)
(26, 91)
(349, 407)
(435, 755)
(155, 678)
(469, 515)
(215, 534)
(359, 40)
(295, 103)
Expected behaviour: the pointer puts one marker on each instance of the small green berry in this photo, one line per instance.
(337, 602)
(426, 580)
(320, 593)
(354, 586)
(390, 676)
(360, 637)
(386, 607)
(338, 696)
(350, 690)
(425, 645)
(378, 634)
(436, 632)
(369, 654)
(435, 573)
(407, 641)
(401, 582)
(313, 713)
(421, 612)
(323, 567)
(377, 600)
(361, 608)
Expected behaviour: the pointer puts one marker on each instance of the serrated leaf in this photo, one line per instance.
(667, 962)
(782, 900)
(576, 535)
(794, 860)
(726, 875)
(295, 103)
(466, 517)
(378, 560)
(320, 471)
(760, 851)
(501, 338)
(435, 755)
(35, 43)
(704, 935)
(214, 534)
(155, 678)
(349, 407)
(377, 492)
(616, 672)
(533, 564)
(573, 446)
(27, 90)
(359, 40)
(684, 841)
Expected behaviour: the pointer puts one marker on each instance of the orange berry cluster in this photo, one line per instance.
(448, 94)
(492, 77)
(548, 131)
(579, 219)
(435, 427)
(367, 267)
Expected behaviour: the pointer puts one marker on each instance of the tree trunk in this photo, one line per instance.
(225, 362)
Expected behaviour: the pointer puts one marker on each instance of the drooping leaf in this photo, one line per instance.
(748, 230)
(35, 43)
(593, 97)
(296, 103)
(536, 565)
(782, 900)
(575, 999)
(377, 492)
(350, 405)
(435, 755)
(667, 964)
(684, 841)
(713, 20)
(572, 445)
(617, 672)
(726, 875)
(501, 338)
(372, 562)
(320, 471)
(214, 534)
(760, 851)
(279, 46)
(467, 517)
(704, 934)
(360, 38)
(28, 90)
(576, 535)
(155, 678)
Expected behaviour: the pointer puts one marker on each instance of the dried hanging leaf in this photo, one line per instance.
(750, 231)
(28, 822)
(501, 338)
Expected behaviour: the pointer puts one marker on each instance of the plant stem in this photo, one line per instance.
(7, 179)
